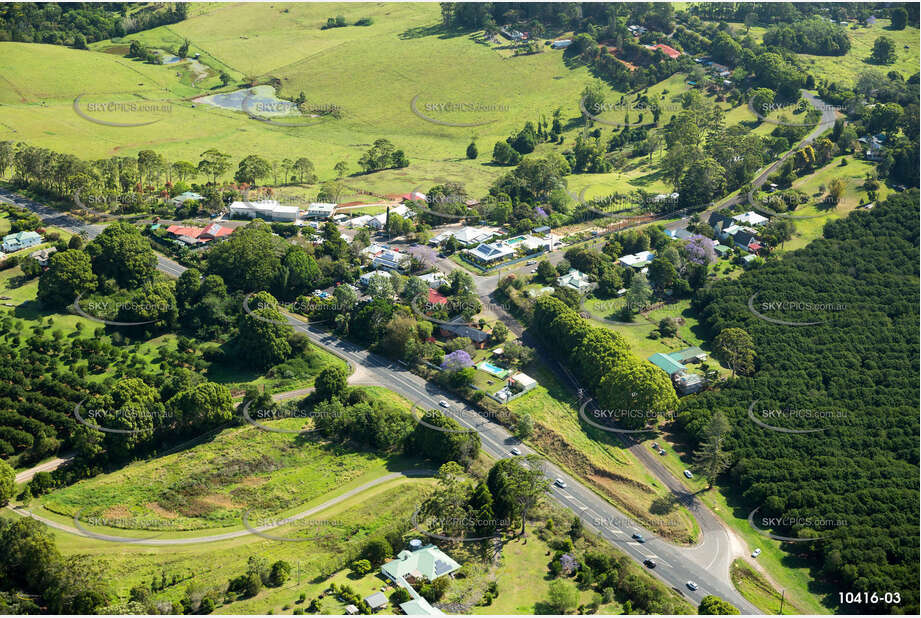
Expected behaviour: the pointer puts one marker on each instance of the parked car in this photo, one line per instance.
(655, 445)
(693, 586)
(756, 553)
(688, 474)
(639, 537)
(650, 563)
(560, 483)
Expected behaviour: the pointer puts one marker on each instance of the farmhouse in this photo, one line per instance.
(196, 236)
(20, 240)
(320, 210)
(264, 209)
(412, 567)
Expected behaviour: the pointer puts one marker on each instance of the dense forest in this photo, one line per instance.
(854, 376)
(79, 23)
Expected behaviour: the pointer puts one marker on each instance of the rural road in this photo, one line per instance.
(227, 535)
(53, 464)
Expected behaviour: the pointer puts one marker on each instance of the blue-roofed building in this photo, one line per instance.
(666, 363)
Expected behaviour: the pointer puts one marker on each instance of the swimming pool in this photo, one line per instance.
(514, 241)
(491, 369)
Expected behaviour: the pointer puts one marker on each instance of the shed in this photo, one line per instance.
(666, 363)
(376, 601)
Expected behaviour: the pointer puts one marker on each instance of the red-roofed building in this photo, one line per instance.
(215, 231)
(202, 235)
(436, 298)
(671, 52)
(182, 230)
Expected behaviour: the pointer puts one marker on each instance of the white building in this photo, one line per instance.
(750, 218)
(575, 280)
(466, 236)
(434, 280)
(637, 260)
(320, 210)
(265, 209)
(561, 44)
(365, 279)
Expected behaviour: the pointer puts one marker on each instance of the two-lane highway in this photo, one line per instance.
(675, 565)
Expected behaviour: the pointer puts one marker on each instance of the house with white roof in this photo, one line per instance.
(434, 280)
(265, 209)
(365, 279)
(320, 210)
(466, 236)
(750, 218)
(575, 280)
(637, 260)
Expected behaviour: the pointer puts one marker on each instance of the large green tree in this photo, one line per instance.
(121, 253)
(69, 273)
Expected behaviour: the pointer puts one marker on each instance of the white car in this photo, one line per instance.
(560, 483)
(692, 586)
(756, 553)
(444, 404)
(530, 262)
(688, 474)
(515, 451)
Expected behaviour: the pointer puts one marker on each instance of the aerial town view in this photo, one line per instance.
(428, 309)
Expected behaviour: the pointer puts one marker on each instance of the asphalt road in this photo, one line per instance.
(707, 564)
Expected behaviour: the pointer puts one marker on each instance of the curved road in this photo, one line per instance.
(707, 563)
(227, 535)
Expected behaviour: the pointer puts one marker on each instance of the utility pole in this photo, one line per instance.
(783, 593)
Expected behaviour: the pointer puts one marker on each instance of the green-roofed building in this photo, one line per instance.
(722, 250)
(689, 355)
(428, 562)
(666, 363)
(420, 607)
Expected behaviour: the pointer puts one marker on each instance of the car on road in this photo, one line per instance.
(649, 562)
(530, 263)
(756, 553)
(444, 404)
(560, 483)
(515, 451)
(639, 537)
(688, 474)
(692, 586)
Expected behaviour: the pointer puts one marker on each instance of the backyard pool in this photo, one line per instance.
(491, 369)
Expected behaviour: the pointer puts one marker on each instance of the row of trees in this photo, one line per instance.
(844, 376)
(602, 360)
